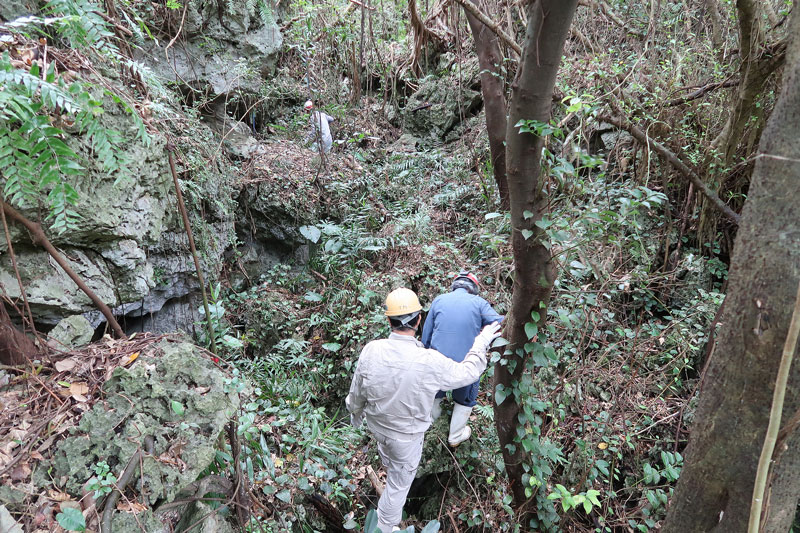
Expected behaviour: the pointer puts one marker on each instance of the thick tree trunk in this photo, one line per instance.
(716, 485)
(15, 347)
(490, 60)
(531, 99)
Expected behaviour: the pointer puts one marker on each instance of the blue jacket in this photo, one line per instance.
(453, 322)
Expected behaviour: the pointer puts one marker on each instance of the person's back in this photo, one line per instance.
(393, 388)
(320, 131)
(453, 320)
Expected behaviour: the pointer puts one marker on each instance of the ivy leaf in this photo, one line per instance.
(526, 233)
(527, 214)
(332, 346)
(531, 329)
(71, 519)
(500, 394)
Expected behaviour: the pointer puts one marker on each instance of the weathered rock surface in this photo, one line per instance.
(442, 102)
(224, 51)
(130, 246)
(72, 332)
(181, 400)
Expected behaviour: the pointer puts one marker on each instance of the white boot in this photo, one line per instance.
(436, 412)
(459, 430)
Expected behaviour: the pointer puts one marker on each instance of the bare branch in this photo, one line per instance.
(495, 27)
(675, 161)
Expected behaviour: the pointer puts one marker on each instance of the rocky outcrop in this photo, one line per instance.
(442, 102)
(182, 402)
(221, 51)
(129, 245)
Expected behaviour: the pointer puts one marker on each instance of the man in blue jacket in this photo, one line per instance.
(453, 322)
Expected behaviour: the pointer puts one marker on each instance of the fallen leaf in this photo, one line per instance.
(20, 473)
(69, 504)
(36, 455)
(202, 390)
(130, 359)
(79, 389)
(131, 507)
(58, 496)
(602, 445)
(79, 397)
(65, 365)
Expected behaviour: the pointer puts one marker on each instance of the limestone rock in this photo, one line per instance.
(72, 332)
(441, 103)
(223, 51)
(130, 246)
(171, 393)
(211, 522)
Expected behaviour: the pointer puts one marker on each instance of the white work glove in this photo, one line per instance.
(356, 420)
(487, 335)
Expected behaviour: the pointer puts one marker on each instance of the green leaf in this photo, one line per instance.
(177, 407)
(527, 234)
(312, 233)
(284, 496)
(531, 329)
(332, 346)
(500, 394)
(312, 296)
(490, 216)
(71, 519)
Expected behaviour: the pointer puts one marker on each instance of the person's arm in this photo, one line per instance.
(329, 118)
(489, 315)
(453, 375)
(427, 328)
(356, 401)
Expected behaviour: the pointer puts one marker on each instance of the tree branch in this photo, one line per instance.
(607, 11)
(478, 14)
(675, 161)
(702, 91)
(41, 239)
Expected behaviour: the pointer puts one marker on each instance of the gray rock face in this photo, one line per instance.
(129, 247)
(72, 332)
(12, 9)
(222, 51)
(442, 103)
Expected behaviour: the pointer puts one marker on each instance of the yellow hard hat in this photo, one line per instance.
(402, 302)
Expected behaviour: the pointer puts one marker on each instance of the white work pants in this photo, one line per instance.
(400, 459)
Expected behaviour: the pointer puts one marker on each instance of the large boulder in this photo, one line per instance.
(171, 393)
(442, 102)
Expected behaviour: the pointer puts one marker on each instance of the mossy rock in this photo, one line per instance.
(171, 393)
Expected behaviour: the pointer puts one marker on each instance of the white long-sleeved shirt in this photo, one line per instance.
(396, 380)
(320, 130)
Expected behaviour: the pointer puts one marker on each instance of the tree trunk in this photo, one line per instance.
(490, 60)
(15, 347)
(531, 99)
(755, 69)
(716, 485)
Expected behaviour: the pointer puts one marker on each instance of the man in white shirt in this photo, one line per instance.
(393, 388)
(319, 133)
